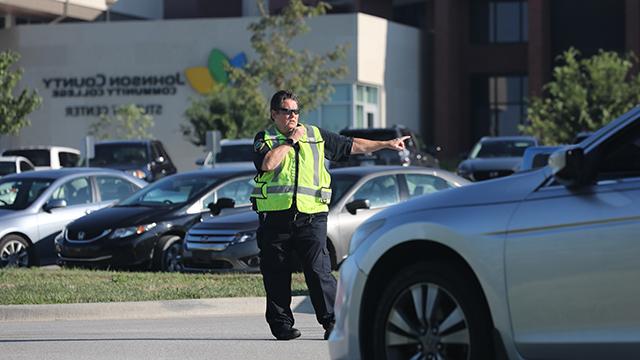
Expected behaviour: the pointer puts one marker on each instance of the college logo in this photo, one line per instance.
(203, 79)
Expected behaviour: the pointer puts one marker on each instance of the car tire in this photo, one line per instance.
(14, 252)
(430, 310)
(167, 255)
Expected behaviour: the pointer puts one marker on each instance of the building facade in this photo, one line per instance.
(86, 70)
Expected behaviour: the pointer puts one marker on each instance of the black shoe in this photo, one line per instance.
(327, 330)
(287, 333)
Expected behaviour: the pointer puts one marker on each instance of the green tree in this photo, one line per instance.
(14, 110)
(276, 66)
(128, 122)
(584, 95)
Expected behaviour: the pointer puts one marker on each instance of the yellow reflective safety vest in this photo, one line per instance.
(302, 176)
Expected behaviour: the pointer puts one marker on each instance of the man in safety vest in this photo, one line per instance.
(291, 196)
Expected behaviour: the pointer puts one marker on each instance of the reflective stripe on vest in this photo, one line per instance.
(274, 190)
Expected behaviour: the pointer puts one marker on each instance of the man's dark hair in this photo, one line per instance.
(280, 96)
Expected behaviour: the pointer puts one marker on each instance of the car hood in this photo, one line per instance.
(240, 221)
(480, 164)
(118, 217)
(512, 188)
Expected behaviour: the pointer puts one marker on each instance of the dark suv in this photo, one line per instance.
(415, 154)
(144, 159)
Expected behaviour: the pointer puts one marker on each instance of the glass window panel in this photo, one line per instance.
(420, 184)
(311, 117)
(360, 93)
(509, 119)
(113, 188)
(514, 90)
(525, 21)
(359, 116)
(372, 95)
(381, 191)
(336, 117)
(497, 90)
(507, 21)
(492, 22)
(342, 93)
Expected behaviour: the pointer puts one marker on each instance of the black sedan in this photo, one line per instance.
(146, 229)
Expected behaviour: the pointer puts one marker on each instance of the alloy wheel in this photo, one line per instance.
(14, 253)
(426, 322)
(172, 258)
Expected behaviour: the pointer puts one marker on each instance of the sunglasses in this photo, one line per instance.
(289, 111)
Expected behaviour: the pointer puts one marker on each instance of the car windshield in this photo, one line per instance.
(340, 184)
(18, 194)
(7, 167)
(173, 190)
(235, 153)
(106, 154)
(37, 157)
(495, 149)
(371, 134)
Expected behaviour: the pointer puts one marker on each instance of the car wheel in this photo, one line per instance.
(14, 251)
(168, 256)
(430, 311)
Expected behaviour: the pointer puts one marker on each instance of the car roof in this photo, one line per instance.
(245, 141)
(366, 170)
(223, 172)
(45, 147)
(508, 138)
(59, 173)
(139, 141)
(14, 158)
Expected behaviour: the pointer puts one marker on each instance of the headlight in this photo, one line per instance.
(244, 237)
(128, 231)
(363, 232)
(138, 173)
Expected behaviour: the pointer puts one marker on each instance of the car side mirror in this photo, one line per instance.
(222, 203)
(353, 206)
(569, 167)
(54, 204)
(200, 162)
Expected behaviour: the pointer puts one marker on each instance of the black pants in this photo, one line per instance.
(279, 235)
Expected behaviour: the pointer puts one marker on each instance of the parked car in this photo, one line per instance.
(14, 165)
(46, 156)
(146, 229)
(36, 205)
(233, 152)
(229, 242)
(538, 265)
(494, 157)
(415, 153)
(144, 159)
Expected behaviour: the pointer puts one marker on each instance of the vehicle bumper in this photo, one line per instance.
(344, 340)
(238, 257)
(108, 252)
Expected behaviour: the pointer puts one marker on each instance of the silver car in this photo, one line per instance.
(539, 265)
(36, 205)
(229, 242)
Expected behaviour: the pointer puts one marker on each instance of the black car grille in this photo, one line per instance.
(86, 235)
(490, 174)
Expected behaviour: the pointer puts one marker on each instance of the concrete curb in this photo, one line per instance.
(145, 309)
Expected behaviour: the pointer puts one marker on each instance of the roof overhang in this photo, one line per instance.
(77, 9)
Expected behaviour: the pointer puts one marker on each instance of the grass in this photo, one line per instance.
(46, 286)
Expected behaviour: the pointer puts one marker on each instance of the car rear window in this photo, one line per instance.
(38, 157)
(7, 167)
(235, 153)
(371, 134)
(106, 154)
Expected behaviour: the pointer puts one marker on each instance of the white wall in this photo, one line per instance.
(170, 47)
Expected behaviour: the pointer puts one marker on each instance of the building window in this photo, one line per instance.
(355, 106)
(498, 105)
(499, 21)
